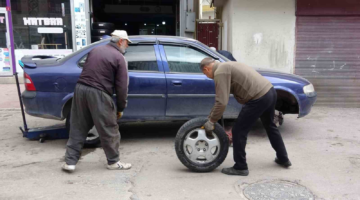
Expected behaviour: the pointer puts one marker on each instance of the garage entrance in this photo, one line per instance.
(327, 49)
(137, 17)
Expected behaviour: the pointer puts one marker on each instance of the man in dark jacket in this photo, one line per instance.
(105, 69)
(257, 95)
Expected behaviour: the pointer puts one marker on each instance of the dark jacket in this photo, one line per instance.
(105, 69)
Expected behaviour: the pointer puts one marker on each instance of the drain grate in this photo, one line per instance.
(277, 190)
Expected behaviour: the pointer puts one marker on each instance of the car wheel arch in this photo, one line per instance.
(289, 97)
(67, 105)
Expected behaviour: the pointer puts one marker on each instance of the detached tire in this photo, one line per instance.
(199, 151)
(92, 141)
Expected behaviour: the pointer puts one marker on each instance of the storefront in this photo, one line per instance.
(59, 27)
(40, 27)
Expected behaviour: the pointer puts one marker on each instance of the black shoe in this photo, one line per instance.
(284, 164)
(232, 171)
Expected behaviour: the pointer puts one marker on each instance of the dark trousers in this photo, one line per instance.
(263, 108)
(91, 107)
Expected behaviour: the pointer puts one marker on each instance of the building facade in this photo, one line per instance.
(317, 39)
(60, 27)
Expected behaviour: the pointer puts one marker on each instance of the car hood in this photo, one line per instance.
(282, 75)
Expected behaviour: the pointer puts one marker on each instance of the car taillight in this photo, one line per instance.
(29, 84)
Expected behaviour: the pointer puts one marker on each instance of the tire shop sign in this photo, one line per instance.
(40, 21)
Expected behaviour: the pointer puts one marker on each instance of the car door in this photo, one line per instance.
(147, 84)
(189, 92)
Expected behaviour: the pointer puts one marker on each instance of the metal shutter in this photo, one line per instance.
(328, 55)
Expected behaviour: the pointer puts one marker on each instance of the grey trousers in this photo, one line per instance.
(91, 107)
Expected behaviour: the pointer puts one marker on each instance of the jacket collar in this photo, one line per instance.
(215, 66)
(114, 45)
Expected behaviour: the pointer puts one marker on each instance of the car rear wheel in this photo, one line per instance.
(200, 151)
(92, 140)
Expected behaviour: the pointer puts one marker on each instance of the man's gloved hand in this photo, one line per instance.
(209, 126)
(119, 115)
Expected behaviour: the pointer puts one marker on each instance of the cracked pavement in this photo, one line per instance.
(324, 148)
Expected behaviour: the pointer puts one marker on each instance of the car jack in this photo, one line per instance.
(43, 133)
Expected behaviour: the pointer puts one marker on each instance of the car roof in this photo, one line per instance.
(160, 38)
(152, 39)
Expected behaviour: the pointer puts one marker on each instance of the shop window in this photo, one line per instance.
(184, 59)
(42, 24)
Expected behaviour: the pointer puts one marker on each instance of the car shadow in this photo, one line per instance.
(146, 130)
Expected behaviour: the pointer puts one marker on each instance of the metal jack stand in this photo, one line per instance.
(50, 132)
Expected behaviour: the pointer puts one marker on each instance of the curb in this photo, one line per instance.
(10, 109)
(11, 80)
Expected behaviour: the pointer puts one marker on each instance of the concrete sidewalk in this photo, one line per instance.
(9, 98)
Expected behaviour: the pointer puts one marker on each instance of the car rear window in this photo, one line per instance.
(139, 58)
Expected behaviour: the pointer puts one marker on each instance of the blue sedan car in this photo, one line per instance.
(166, 83)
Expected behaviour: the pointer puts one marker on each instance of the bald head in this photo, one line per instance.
(206, 62)
(206, 67)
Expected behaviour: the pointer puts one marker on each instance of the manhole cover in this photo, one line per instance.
(277, 190)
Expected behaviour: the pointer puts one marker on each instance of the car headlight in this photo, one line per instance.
(309, 90)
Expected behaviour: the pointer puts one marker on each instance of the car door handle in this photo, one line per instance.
(177, 83)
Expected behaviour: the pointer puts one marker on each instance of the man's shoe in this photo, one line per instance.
(119, 166)
(284, 164)
(232, 171)
(68, 168)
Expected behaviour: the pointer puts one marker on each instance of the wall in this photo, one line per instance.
(183, 9)
(226, 31)
(206, 15)
(263, 32)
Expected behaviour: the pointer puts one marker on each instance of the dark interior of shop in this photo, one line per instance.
(138, 17)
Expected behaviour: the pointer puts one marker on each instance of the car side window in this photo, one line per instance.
(141, 58)
(82, 61)
(183, 59)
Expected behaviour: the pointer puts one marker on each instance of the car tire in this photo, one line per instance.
(191, 137)
(103, 25)
(100, 32)
(92, 141)
(96, 38)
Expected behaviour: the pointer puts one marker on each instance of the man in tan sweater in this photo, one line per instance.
(258, 97)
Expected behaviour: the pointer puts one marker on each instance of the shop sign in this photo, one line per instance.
(39, 21)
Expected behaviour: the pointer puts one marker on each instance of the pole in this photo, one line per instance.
(21, 103)
(12, 53)
(8, 8)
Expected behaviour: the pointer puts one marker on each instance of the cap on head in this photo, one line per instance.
(121, 34)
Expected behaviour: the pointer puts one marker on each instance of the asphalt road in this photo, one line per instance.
(324, 148)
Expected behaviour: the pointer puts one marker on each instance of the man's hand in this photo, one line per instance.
(119, 115)
(209, 126)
